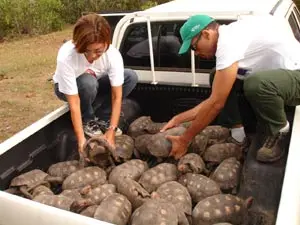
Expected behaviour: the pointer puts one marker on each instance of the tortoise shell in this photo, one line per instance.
(227, 174)
(191, 163)
(199, 186)
(219, 152)
(132, 169)
(155, 212)
(156, 176)
(159, 145)
(220, 208)
(92, 175)
(115, 209)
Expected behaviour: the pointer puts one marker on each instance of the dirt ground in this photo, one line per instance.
(26, 95)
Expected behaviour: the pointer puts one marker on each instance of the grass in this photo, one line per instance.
(26, 95)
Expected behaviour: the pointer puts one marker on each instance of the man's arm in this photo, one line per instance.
(210, 108)
(181, 118)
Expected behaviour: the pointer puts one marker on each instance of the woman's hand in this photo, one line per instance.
(110, 137)
(81, 143)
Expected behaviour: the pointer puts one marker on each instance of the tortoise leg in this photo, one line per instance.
(111, 162)
(54, 180)
(80, 205)
(85, 190)
(234, 191)
(136, 153)
(206, 171)
(25, 192)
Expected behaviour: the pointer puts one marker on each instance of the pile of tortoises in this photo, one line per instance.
(138, 183)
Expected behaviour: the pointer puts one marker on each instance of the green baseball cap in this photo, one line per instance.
(193, 26)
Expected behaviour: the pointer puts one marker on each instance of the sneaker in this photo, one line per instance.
(118, 132)
(271, 150)
(92, 128)
(104, 125)
(244, 144)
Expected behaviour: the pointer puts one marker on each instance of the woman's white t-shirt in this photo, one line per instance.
(258, 43)
(71, 64)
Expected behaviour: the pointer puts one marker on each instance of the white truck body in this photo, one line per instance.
(19, 211)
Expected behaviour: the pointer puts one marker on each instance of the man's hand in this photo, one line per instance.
(172, 123)
(179, 146)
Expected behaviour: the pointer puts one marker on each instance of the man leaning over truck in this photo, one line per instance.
(89, 67)
(262, 51)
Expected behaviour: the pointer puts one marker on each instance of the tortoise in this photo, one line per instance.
(99, 152)
(216, 153)
(156, 176)
(198, 144)
(63, 202)
(137, 127)
(176, 194)
(134, 192)
(124, 147)
(64, 169)
(222, 224)
(132, 169)
(89, 211)
(14, 191)
(141, 142)
(216, 134)
(155, 212)
(72, 194)
(41, 190)
(97, 194)
(220, 208)
(159, 146)
(92, 175)
(154, 127)
(144, 125)
(199, 186)
(227, 174)
(115, 209)
(191, 163)
(26, 182)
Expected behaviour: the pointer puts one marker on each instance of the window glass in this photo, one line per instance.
(294, 25)
(166, 43)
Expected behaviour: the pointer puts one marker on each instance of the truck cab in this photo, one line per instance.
(169, 83)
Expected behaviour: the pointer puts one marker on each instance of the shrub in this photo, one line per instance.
(30, 16)
(19, 17)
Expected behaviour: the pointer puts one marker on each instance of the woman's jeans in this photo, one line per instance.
(96, 94)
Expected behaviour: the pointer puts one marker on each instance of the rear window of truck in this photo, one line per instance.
(166, 42)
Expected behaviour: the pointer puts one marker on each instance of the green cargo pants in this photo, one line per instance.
(267, 92)
(230, 114)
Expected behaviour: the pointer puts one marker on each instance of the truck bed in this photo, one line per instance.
(53, 141)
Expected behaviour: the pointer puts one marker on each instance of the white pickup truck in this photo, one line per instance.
(168, 84)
